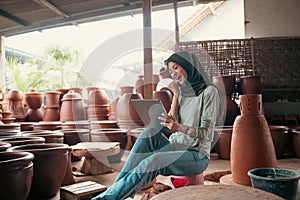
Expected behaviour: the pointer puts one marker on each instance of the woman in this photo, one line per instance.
(192, 117)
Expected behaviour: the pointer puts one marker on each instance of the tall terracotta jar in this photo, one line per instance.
(252, 145)
(34, 102)
(139, 85)
(72, 107)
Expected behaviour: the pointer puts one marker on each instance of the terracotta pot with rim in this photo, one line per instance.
(279, 136)
(50, 136)
(50, 164)
(252, 84)
(16, 175)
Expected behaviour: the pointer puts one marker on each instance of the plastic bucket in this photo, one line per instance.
(281, 182)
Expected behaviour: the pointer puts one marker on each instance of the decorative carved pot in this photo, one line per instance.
(111, 135)
(50, 165)
(225, 84)
(16, 175)
(252, 145)
(34, 100)
(252, 84)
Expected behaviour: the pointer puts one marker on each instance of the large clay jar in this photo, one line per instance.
(225, 84)
(165, 97)
(139, 85)
(51, 113)
(50, 164)
(72, 107)
(52, 99)
(17, 141)
(223, 145)
(97, 97)
(279, 136)
(252, 84)
(231, 110)
(16, 173)
(34, 100)
(252, 145)
(15, 106)
(111, 135)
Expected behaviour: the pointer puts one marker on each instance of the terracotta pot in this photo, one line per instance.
(17, 141)
(50, 164)
(26, 126)
(74, 136)
(100, 110)
(126, 89)
(16, 175)
(89, 89)
(84, 124)
(34, 115)
(53, 125)
(50, 136)
(296, 142)
(126, 114)
(97, 97)
(8, 120)
(72, 107)
(231, 110)
(51, 114)
(6, 114)
(34, 100)
(165, 97)
(252, 84)
(279, 136)
(155, 80)
(103, 124)
(111, 135)
(223, 144)
(113, 108)
(15, 106)
(139, 85)
(225, 84)
(52, 99)
(252, 145)
(4, 146)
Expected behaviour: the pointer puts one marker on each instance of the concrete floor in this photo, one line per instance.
(216, 165)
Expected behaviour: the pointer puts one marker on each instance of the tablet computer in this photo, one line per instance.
(149, 110)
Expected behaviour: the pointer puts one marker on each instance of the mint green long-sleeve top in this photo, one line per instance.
(199, 112)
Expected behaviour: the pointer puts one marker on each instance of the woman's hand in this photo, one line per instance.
(174, 87)
(169, 122)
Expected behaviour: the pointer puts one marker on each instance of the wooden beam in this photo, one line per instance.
(47, 4)
(147, 32)
(13, 18)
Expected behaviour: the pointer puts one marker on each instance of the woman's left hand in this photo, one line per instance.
(169, 122)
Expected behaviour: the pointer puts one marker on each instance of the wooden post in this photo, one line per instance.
(147, 32)
(2, 63)
(176, 27)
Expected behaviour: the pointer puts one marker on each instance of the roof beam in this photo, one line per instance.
(13, 18)
(47, 4)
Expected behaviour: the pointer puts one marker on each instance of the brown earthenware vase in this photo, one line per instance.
(111, 135)
(50, 164)
(252, 84)
(225, 84)
(223, 144)
(97, 97)
(16, 175)
(279, 136)
(62, 91)
(34, 101)
(52, 99)
(15, 106)
(252, 145)
(51, 113)
(72, 107)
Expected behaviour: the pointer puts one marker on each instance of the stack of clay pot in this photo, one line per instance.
(15, 98)
(34, 101)
(7, 117)
(226, 86)
(51, 111)
(97, 104)
(252, 145)
(72, 107)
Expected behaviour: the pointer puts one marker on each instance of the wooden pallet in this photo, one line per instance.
(81, 191)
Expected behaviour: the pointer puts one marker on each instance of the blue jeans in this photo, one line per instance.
(153, 155)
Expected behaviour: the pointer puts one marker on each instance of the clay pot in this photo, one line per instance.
(89, 89)
(296, 142)
(4, 146)
(126, 89)
(8, 120)
(50, 164)
(139, 85)
(113, 108)
(75, 125)
(74, 136)
(16, 175)
(34, 100)
(126, 114)
(279, 136)
(252, 145)
(77, 90)
(165, 97)
(103, 124)
(17, 141)
(98, 111)
(52, 126)
(6, 114)
(12, 126)
(52, 99)
(231, 110)
(223, 144)
(34, 115)
(97, 97)
(15, 106)
(72, 107)
(252, 84)
(225, 84)
(50, 136)
(111, 135)
(26, 126)
(51, 113)
(155, 80)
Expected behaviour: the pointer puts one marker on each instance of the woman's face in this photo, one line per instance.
(177, 73)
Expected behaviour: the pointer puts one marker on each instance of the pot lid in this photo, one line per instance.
(71, 95)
